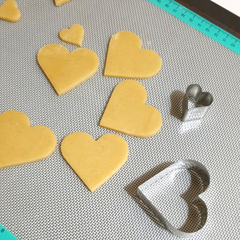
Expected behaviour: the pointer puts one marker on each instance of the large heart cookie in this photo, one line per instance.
(126, 111)
(67, 70)
(126, 59)
(94, 161)
(20, 143)
(9, 11)
(60, 2)
(74, 35)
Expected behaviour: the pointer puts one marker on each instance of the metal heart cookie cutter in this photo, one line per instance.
(172, 197)
(195, 103)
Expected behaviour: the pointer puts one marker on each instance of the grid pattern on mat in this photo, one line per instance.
(46, 200)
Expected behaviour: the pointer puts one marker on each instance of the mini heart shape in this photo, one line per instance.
(67, 70)
(94, 161)
(60, 2)
(9, 11)
(20, 143)
(74, 35)
(126, 59)
(126, 111)
(195, 103)
(172, 196)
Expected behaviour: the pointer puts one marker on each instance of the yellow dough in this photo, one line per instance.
(60, 2)
(94, 161)
(126, 59)
(9, 11)
(67, 70)
(126, 111)
(74, 35)
(20, 143)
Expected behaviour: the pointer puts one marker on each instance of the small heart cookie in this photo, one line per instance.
(126, 59)
(126, 111)
(94, 161)
(20, 143)
(73, 35)
(60, 2)
(9, 11)
(67, 70)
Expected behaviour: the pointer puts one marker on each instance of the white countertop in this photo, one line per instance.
(231, 5)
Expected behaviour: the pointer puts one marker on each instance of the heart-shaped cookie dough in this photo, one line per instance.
(126, 59)
(126, 111)
(67, 70)
(20, 143)
(94, 161)
(9, 11)
(73, 35)
(60, 2)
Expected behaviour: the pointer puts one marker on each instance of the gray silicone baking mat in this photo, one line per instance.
(46, 199)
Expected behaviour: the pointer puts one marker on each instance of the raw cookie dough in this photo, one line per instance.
(73, 35)
(9, 11)
(94, 161)
(126, 59)
(60, 2)
(126, 111)
(20, 143)
(67, 70)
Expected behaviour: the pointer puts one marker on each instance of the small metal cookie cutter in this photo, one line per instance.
(195, 103)
(190, 212)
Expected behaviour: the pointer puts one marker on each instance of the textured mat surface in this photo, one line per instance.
(46, 200)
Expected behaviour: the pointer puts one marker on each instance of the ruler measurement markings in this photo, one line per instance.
(5, 234)
(199, 23)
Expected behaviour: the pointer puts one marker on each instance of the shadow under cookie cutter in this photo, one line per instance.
(147, 191)
(195, 103)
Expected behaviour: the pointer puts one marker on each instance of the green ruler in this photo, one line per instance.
(199, 23)
(5, 234)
